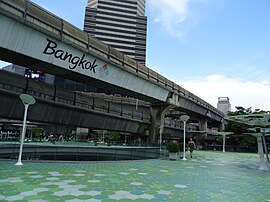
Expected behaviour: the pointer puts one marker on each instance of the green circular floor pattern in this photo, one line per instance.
(209, 176)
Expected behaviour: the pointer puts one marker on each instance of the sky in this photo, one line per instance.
(212, 48)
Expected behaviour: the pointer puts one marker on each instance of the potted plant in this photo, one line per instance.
(173, 149)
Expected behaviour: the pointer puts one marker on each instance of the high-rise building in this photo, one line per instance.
(120, 24)
(224, 104)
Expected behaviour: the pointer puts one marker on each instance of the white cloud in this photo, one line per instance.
(170, 14)
(241, 93)
(177, 17)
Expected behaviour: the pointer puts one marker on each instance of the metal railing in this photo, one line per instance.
(109, 104)
(78, 152)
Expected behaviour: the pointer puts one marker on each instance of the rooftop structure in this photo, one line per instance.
(224, 104)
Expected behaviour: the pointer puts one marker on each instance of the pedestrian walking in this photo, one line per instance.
(191, 145)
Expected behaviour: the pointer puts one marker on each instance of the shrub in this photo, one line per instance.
(173, 147)
(181, 146)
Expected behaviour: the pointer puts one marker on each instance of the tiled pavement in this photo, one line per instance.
(210, 176)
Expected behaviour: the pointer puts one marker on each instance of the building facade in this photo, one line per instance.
(120, 24)
(224, 104)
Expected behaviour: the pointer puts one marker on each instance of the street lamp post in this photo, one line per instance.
(27, 100)
(224, 134)
(160, 141)
(184, 118)
(160, 136)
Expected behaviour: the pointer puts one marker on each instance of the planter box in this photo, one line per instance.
(173, 156)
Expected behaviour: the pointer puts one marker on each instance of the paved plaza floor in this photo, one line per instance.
(209, 176)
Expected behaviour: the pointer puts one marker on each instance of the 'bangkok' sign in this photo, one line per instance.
(73, 60)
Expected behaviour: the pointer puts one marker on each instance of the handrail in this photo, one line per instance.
(34, 14)
(113, 105)
(110, 104)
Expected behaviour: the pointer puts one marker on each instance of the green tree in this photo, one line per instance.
(115, 135)
(36, 132)
(236, 127)
(240, 128)
(248, 140)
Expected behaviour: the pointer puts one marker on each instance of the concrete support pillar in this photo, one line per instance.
(221, 126)
(202, 127)
(81, 133)
(157, 123)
